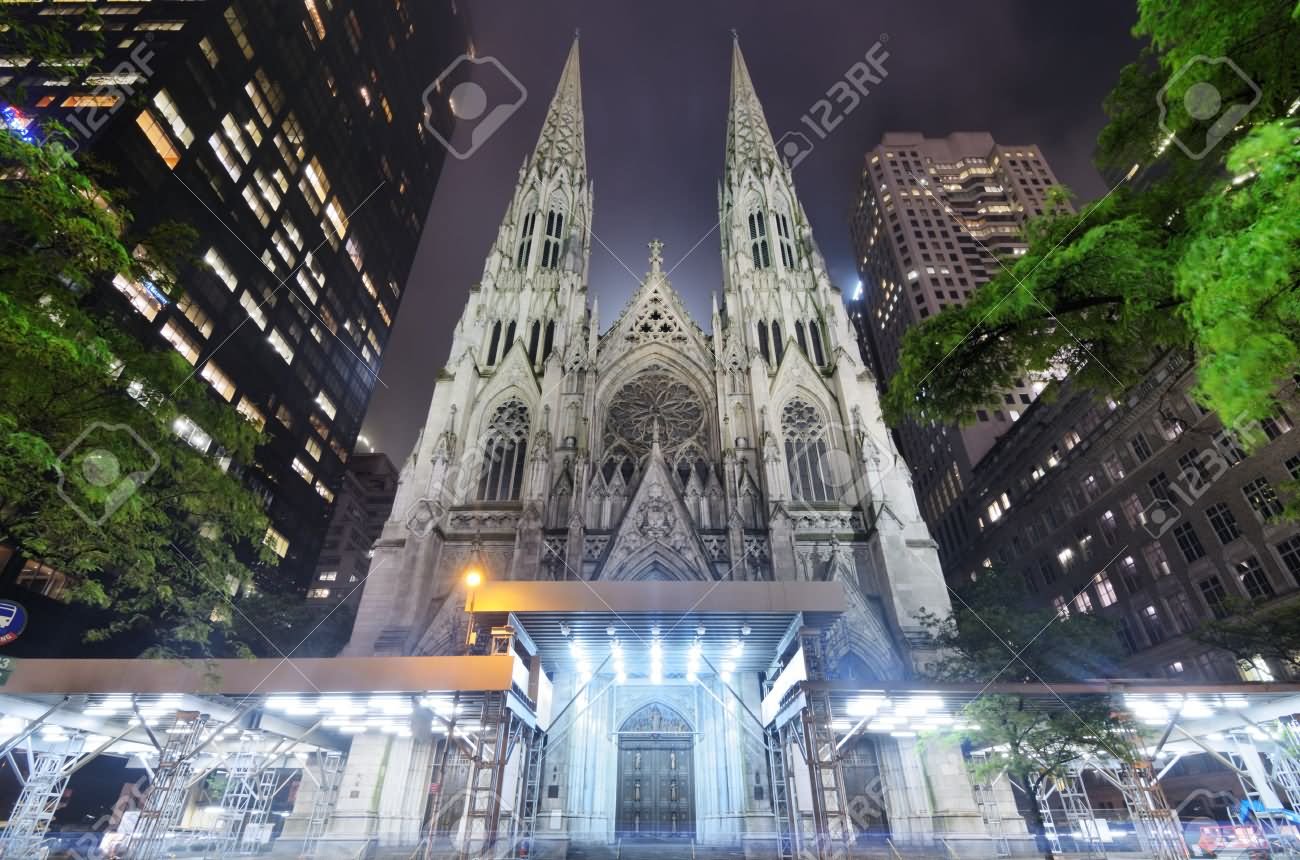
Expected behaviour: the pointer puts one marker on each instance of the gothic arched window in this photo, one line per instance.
(526, 239)
(549, 343)
(554, 239)
(494, 343)
(815, 332)
(534, 337)
(806, 451)
(778, 345)
(800, 338)
(785, 239)
(510, 339)
(758, 240)
(762, 340)
(505, 445)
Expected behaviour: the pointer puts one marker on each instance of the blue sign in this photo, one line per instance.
(13, 620)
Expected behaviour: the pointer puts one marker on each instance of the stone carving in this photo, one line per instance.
(654, 718)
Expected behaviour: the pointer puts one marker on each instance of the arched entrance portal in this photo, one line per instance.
(656, 775)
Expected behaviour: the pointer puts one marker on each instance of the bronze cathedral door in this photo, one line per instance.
(656, 779)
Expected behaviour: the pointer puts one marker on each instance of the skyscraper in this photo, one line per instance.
(360, 511)
(293, 136)
(933, 217)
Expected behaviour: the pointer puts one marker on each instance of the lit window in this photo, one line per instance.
(326, 405)
(251, 412)
(85, 101)
(192, 433)
(280, 345)
(163, 101)
(223, 384)
(318, 592)
(255, 203)
(224, 156)
(209, 52)
(181, 341)
(314, 14)
(238, 26)
(224, 272)
(313, 449)
(328, 575)
(336, 217)
(302, 470)
(147, 302)
(316, 176)
(325, 492)
(254, 310)
(158, 138)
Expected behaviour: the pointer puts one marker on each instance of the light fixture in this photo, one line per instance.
(656, 658)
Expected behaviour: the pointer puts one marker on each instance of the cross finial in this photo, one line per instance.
(735, 37)
(656, 254)
(577, 32)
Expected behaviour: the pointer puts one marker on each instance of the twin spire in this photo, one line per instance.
(563, 141)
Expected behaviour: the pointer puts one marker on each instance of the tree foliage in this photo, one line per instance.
(991, 636)
(94, 478)
(1257, 629)
(1203, 257)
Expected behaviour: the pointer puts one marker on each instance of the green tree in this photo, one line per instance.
(94, 478)
(1256, 629)
(1204, 257)
(990, 637)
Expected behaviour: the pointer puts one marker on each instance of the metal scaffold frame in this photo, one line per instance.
(47, 777)
(805, 727)
(1286, 768)
(324, 800)
(246, 800)
(986, 800)
(165, 801)
(501, 732)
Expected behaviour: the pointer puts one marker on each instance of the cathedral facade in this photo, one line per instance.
(658, 451)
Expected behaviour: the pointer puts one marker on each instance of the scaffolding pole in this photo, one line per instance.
(165, 801)
(986, 800)
(323, 801)
(40, 797)
(832, 831)
(246, 800)
(1158, 830)
(1286, 767)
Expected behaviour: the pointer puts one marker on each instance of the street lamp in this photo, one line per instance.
(473, 579)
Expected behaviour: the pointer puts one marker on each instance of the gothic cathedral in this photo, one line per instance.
(655, 450)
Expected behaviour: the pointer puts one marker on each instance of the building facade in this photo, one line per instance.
(1145, 511)
(602, 472)
(933, 216)
(290, 135)
(360, 511)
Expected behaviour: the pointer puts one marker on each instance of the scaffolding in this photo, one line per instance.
(323, 801)
(165, 801)
(780, 796)
(1286, 767)
(986, 800)
(805, 725)
(39, 800)
(246, 801)
(500, 734)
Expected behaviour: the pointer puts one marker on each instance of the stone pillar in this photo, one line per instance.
(384, 790)
(907, 800)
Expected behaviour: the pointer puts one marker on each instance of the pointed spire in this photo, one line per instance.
(748, 136)
(563, 139)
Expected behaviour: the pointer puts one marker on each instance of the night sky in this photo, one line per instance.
(655, 84)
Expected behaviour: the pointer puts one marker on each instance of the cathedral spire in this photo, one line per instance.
(748, 137)
(562, 139)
